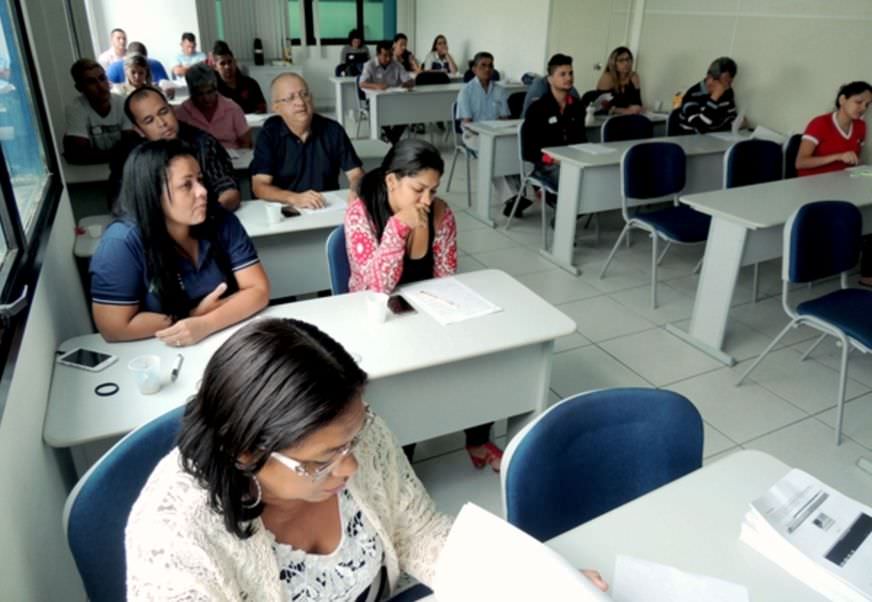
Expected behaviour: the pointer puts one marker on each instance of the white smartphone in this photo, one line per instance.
(87, 359)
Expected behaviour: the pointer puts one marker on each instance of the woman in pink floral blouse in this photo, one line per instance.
(398, 231)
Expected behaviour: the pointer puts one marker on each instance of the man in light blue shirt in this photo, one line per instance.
(189, 56)
(482, 99)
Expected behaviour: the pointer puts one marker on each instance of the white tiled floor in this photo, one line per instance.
(785, 408)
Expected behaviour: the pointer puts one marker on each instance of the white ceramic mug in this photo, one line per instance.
(146, 369)
(376, 307)
(273, 212)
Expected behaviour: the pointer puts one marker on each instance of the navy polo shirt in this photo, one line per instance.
(299, 166)
(119, 275)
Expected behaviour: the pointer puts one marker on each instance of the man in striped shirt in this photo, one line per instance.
(710, 105)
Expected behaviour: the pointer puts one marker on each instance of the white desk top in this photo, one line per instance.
(692, 524)
(770, 204)
(436, 88)
(405, 343)
(692, 145)
(254, 218)
(499, 127)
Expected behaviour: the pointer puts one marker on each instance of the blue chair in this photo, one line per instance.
(528, 178)
(516, 104)
(593, 452)
(791, 150)
(337, 261)
(822, 239)
(416, 592)
(626, 127)
(750, 162)
(460, 147)
(656, 171)
(96, 511)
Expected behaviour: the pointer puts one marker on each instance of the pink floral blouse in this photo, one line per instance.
(378, 266)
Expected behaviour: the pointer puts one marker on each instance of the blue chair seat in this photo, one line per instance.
(681, 224)
(847, 309)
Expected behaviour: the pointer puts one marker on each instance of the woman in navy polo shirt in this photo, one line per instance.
(173, 266)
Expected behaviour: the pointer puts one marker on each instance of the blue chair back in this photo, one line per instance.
(96, 511)
(594, 452)
(457, 127)
(516, 104)
(626, 127)
(822, 239)
(429, 78)
(749, 162)
(653, 170)
(791, 149)
(337, 261)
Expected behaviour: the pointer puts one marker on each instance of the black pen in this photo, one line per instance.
(177, 367)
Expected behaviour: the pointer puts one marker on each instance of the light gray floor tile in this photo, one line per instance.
(515, 261)
(589, 368)
(557, 286)
(857, 422)
(570, 341)
(672, 305)
(601, 318)
(715, 442)
(485, 239)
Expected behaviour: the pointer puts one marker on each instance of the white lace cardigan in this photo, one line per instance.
(177, 547)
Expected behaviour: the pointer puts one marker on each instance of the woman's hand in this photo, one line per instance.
(185, 332)
(849, 157)
(414, 216)
(596, 579)
(210, 301)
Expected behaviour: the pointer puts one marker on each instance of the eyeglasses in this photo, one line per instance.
(318, 471)
(303, 95)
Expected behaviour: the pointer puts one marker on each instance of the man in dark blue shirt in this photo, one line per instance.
(299, 154)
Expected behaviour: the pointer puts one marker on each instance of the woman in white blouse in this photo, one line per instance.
(284, 485)
(439, 59)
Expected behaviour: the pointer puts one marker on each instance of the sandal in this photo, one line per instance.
(492, 454)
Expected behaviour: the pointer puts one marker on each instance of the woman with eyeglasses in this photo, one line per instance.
(622, 82)
(284, 486)
(211, 112)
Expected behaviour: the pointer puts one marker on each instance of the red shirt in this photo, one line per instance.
(829, 139)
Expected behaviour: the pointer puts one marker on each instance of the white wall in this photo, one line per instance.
(514, 31)
(158, 24)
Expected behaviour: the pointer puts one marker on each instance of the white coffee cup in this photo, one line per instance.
(95, 230)
(274, 212)
(376, 307)
(658, 106)
(146, 369)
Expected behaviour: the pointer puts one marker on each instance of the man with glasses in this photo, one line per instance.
(211, 112)
(299, 153)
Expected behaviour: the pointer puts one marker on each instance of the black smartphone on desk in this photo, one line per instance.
(290, 211)
(398, 305)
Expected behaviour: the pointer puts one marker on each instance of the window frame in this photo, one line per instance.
(22, 264)
(309, 11)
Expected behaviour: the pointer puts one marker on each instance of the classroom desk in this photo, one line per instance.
(426, 379)
(422, 104)
(292, 251)
(498, 156)
(692, 524)
(747, 228)
(590, 182)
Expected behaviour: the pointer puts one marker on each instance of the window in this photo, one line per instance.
(377, 19)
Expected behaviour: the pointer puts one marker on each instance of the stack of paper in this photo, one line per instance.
(816, 534)
(447, 300)
(333, 202)
(594, 149)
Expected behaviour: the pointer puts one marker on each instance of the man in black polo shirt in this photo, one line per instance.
(298, 153)
(234, 84)
(555, 119)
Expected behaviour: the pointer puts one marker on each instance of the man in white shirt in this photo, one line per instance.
(381, 73)
(95, 119)
(189, 56)
(117, 48)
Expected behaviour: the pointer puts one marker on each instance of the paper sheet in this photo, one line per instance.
(334, 202)
(500, 124)
(726, 136)
(594, 149)
(516, 567)
(447, 300)
(639, 580)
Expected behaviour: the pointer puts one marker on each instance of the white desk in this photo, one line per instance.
(345, 91)
(84, 174)
(590, 183)
(498, 155)
(292, 251)
(422, 104)
(693, 524)
(747, 228)
(489, 368)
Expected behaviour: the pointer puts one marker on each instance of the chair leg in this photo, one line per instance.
(813, 347)
(654, 262)
(698, 266)
(514, 206)
(755, 287)
(843, 378)
(769, 348)
(663, 253)
(468, 180)
(543, 218)
(624, 232)
(451, 171)
(628, 240)
(596, 228)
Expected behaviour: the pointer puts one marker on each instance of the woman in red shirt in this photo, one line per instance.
(833, 141)
(397, 231)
